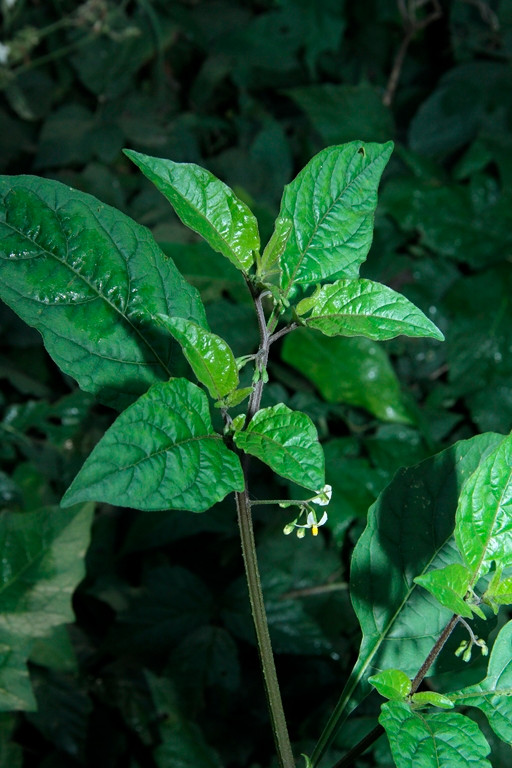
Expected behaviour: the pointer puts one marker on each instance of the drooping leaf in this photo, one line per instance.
(355, 371)
(483, 530)
(161, 453)
(441, 740)
(206, 205)
(493, 695)
(287, 441)
(409, 531)
(364, 308)
(210, 356)
(90, 279)
(331, 204)
(391, 683)
(449, 585)
(42, 562)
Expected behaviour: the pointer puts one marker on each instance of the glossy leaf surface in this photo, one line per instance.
(391, 683)
(331, 204)
(493, 695)
(484, 516)
(409, 531)
(160, 453)
(210, 356)
(441, 740)
(355, 371)
(89, 279)
(449, 585)
(206, 205)
(42, 563)
(287, 441)
(365, 308)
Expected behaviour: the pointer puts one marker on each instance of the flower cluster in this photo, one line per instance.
(308, 514)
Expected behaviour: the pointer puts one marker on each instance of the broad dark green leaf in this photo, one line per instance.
(287, 441)
(493, 695)
(409, 532)
(42, 563)
(161, 453)
(206, 205)
(364, 308)
(364, 114)
(90, 279)
(11, 755)
(391, 683)
(449, 585)
(210, 356)
(483, 530)
(355, 371)
(331, 204)
(441, 740)
(182, 743)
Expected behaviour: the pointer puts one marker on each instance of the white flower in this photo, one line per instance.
(311, 522)
(323, 497)
(4, 53)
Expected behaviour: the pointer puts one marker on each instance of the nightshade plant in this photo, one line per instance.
(112, 310)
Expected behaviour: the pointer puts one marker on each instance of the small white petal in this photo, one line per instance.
(4, 53)
(323, 519)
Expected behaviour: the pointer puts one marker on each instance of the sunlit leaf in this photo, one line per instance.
(441, 740)
(391, 683)
(210, 356)
(331, 204)
(449, 585)
(206, 205)
(364, 308)
(483, 530)
(161, 453)
(90, 279)
(287, 441)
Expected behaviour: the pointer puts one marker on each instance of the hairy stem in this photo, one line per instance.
(350, 758)
(273, 693)
(275, 704)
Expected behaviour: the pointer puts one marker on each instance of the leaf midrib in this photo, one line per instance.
(100, 295)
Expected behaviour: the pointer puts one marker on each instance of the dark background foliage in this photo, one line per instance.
(161, 668)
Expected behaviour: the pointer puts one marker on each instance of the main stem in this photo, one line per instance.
(243, 505)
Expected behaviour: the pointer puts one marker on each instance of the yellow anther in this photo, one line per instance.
(314, 530)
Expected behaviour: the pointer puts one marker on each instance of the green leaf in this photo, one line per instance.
(483, 530)
(11, 754)
(287, 441)
(160, 453)
(364, 308)
(449, 585)
(275, 246)
(441, 740)
(206, 205)
(355, 371)
(90, 279)
(42, 563)
(431, 698)
(499, 591)
(391, 683)
(331, 204)
(210, 356)
(493, 695)
(409, 532)
(182, 743)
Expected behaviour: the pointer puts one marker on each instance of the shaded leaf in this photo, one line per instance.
(287, 441)
(161, 453)
(90, 279)
(483, 530)
(206, 205)
(210, 356)
(331, 204)
(42, 563)
(364, 308)
(355, 371)
(441, 740)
